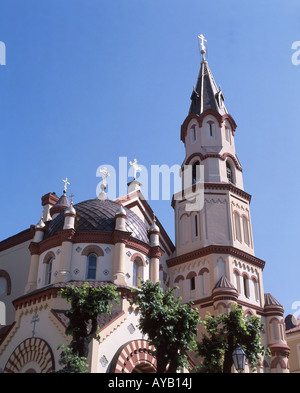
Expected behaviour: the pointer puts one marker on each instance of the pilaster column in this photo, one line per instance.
(35, 257)
(119, 238)
(64, 273)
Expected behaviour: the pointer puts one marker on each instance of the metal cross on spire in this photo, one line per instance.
(66, 184)
(203, 48)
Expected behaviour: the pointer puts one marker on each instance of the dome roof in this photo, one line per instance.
(99, 215)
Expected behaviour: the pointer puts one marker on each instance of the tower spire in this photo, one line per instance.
(206, 94)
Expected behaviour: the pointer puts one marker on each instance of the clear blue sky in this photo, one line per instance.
(89, 81)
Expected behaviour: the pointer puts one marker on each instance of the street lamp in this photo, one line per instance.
(239, 358)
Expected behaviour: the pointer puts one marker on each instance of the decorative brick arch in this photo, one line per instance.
(137, 353)
(190, 275)
(48, 256)
(31, 350)
(92, 248)
(138, 258)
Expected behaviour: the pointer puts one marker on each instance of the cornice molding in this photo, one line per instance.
(17, 239)
(215, 249)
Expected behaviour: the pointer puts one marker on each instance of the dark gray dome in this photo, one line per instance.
(98, 215)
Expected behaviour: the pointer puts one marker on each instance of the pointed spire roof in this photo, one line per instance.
(224, 283)
(271, 301)
(206, 94)
(61, 205)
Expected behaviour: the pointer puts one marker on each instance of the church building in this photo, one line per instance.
(104, 241)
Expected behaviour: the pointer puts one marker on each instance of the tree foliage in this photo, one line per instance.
(87, 303)
(70, 362)
(224, 332)
(170, 326)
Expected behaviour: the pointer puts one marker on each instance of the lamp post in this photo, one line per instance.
(239, 358)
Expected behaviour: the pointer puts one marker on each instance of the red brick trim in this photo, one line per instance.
(138, 258)
(215, 250)
(178, 278)
(190, 275)
(49, 199)
(220, 119)
(279, 350)
(93, 248)
(90, 237)
(31, 350)
(17, 239)
(223, 157)
(50, 254)
(132, 354)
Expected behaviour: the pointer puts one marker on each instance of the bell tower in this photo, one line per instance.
(214, 263)
(211, 174)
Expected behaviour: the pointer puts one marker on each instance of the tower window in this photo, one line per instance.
(192, 283)
(195, 172)
(229, 172)
(48, 271)
(246, 286)
(237, 225)
(196, 224)
(211, 129)
(246, 231)
(92, 267)
(193, 134)
(135, 274)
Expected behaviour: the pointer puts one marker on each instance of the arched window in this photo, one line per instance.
(195, 172)
(204, 282)
(229, 172)
(237, 281)
(211, 129)
(195, 226)
(48, 275)
(246, 230)
(138, 272)
(91, 266)
(184, 229)
(193, 134)
(256, 289)
(237, 225)
(246, 286)
(228, 134)
(135, 276)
